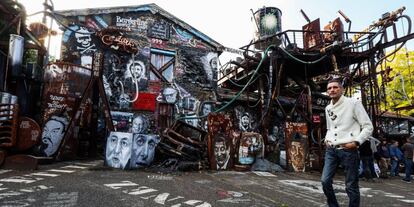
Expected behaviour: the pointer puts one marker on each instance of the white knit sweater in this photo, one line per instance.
(347, 121)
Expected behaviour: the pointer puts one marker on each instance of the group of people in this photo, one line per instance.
(389, 157)
(348, 141)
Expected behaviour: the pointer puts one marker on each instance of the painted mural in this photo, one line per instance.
(118, 150)
(296, 145)
(221, 141)
(64, 85)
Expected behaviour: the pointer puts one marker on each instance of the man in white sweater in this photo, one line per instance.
(348, 126)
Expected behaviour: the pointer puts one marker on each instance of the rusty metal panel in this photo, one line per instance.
(28, 133)
(312, 37)
(296, 146)
(336, 31)
(65, 85)
(220, 141)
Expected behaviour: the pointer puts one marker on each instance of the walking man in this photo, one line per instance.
(348, 126)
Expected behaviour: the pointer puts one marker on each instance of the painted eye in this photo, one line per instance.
(124, 143)
(140, 142)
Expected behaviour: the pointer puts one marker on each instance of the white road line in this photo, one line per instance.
(119, 185)
(4, 171)
(62, 171)
(74, 166)
(45, 174)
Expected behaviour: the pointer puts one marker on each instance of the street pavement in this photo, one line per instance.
(89, 183)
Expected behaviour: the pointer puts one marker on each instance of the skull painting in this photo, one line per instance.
(83, 37)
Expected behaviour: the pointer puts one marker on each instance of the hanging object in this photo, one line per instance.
(268, 22)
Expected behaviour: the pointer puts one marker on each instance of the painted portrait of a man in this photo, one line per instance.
(143, 149)
(118, 150)
(52, 135)
(221, 152)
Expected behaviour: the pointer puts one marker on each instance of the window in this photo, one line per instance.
(162, 65)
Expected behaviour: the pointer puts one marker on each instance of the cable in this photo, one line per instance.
(301, 61)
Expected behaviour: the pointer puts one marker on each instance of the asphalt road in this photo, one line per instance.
(89, 183)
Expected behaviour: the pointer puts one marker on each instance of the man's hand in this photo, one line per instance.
(350, 146)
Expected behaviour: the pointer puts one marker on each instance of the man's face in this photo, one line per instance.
(52, 136)
(138, 125)
(206, 109)
(136, 70)
(118, 149)
(334, 90)
(297, 156)
(170, 95)
(245, 121)
(222, 154)
(143, 149)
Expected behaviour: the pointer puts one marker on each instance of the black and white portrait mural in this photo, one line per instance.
(140, 124)
(124, 77)
(168, 95)
(204, 109)
(200, 67)
(245, 120)
(143, 149)
(221, 151)
(210, 65)
(118, 150)
(52, 135)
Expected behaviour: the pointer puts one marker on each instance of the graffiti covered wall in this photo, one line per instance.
(154, 70)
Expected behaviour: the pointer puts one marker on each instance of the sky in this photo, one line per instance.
(229, 22)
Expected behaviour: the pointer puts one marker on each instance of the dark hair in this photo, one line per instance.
(336, 80)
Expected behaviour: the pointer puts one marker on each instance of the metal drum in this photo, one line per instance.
(5, 98)
(268, 21)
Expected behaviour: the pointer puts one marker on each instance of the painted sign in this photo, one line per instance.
(145, 102)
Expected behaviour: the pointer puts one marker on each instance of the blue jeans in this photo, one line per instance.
(368, 169)
(408, 168)
(394, 167)
(348, 159)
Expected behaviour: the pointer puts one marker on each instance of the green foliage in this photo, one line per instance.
(399, 89)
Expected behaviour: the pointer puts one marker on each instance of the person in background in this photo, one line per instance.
(396, 155)
(348, 126)
(384, 158)
(366, 156)
(408, 148)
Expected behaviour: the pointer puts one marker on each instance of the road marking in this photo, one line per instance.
(20, 179)
(45, 174)
(62, 171)
(74, 166)
(264, 174)
(119, 185)
(4, 171)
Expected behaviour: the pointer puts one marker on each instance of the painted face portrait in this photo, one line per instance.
(297, 156)
(207, 108)
(137, 69)
(52, 135)
(245, 122)
(143, 149)
(139, 125)
(170, 95)
(221, 152)
(118, 149)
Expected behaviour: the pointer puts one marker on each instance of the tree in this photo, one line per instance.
(397, 82)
